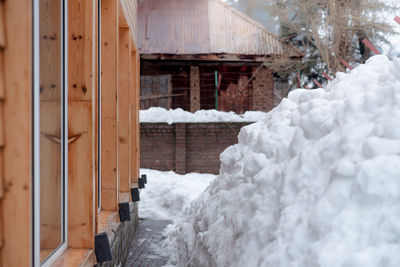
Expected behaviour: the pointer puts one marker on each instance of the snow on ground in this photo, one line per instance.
(314, 184)
(167, 194)
(156, 114)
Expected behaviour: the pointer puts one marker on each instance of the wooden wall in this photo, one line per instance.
(81, 126)
(120, 95)
(15, 132)
(120, 72)
(2, 47)
(109, 102)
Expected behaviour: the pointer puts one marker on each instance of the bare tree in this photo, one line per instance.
(328, 31)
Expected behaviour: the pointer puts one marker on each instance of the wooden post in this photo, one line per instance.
(17, 129)
(123, 110)
(194, 89)
(81, 71)
(109, 101)
(134, 94)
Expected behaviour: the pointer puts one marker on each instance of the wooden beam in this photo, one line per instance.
(123, 110)
(183, 62)
(81, 70)
(132, 115)
(134, 96)
(16, 204)
(109, 100)
(214, 57)
(137, 107)
(147, 97)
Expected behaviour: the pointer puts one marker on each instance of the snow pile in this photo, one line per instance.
(317, 183)
(167, 194)
(170, 116)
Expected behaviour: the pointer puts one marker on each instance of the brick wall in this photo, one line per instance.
(186, 147)
(157, 146)
(262, 97)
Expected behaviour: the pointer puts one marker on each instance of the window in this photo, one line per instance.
(50, 146)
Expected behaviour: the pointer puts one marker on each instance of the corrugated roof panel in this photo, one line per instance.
(190, 27)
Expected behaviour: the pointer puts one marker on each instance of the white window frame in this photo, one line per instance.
(36, 138)
(99, 105)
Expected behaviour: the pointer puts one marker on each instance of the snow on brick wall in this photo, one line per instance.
(195, 149)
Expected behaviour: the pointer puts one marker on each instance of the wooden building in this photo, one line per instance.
(69, 132)
(204, 54)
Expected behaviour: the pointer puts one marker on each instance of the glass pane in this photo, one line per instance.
(50, 127)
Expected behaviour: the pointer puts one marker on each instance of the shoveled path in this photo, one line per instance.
(144, 250)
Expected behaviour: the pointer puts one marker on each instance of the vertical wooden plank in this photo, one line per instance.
(130, 95)
(134, 114)
(1, 130)
(2, 28)
(2, 89)
(16, 203)
(109, 100)
(81, 71)
(137, 106)
(123, 110)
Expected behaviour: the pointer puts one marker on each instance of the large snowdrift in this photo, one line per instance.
(317, 183)
(179, 115)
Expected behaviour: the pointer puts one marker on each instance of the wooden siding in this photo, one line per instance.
(16, 125)
(201, 27)
(2, 46)
(16, 122)
(81, 71)
(109, 103)
(123, 110)
(134, 130)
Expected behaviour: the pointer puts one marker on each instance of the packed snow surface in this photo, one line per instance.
(170, 116)
(316, 183)
(168, 194)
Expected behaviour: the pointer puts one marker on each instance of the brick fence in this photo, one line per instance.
(186, 147)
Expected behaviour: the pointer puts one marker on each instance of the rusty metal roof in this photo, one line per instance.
(194, 27)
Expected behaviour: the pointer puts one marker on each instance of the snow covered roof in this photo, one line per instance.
(202, 27)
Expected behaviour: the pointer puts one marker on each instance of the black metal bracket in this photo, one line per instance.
(141, 183)
(102, 248)
(124, 214)
(135, 194)
(144, 177)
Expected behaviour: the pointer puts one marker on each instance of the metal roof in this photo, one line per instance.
(199, 27)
